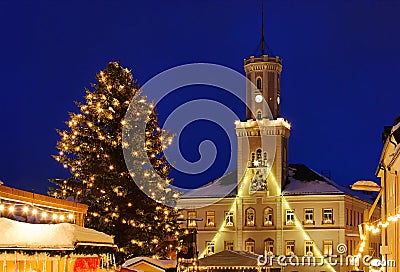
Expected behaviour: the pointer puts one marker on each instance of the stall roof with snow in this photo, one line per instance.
(62, 236)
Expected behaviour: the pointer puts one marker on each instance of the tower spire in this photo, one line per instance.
(262, 29)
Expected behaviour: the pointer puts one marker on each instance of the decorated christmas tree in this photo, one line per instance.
(92, 149)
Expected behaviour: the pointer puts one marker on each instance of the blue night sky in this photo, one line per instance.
(339, 84)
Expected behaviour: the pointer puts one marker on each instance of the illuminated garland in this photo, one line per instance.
(10, 209)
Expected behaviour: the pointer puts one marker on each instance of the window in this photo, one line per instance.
(327, 216)
(327, 247)
(249, 245)
(259, 83)
(265, 159)
(250, 217)
(259, 155)
(289, 217)
(259, 115)
(210, 247)
(308, 216)
(210, 219)
(268, 217)
(309, 248)
(252, 157)
(229, 219)
(289, 248)
(228, 245)
(269, 246)
(192, 223)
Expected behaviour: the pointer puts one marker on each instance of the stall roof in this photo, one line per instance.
(20, 235)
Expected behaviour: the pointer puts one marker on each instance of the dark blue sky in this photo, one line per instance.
(339, 84)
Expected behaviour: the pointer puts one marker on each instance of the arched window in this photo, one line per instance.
(269, 246)
(268, 217)
(259, 151)
(259, 83)
(250, 217)
(259, 115)
(249, 245)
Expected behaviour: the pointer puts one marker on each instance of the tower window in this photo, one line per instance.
(259, 83)
(259, 155)
(259, 115)
(265, 159)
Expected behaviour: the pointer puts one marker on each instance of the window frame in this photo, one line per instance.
(271, 214)
(230, 222)
(325, 218)
(290, 221)
(308, 216)
(210, 244)
(249, 243)
(268, 245)
(192, 223)
(327, 247)
(210, 214)
(247, 222)
(309, 246)
(290, 245)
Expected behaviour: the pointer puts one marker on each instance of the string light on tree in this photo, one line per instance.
(91, 148)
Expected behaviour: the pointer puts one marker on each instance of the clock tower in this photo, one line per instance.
(263, 137)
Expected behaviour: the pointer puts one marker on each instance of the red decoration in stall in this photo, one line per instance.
(88, 264)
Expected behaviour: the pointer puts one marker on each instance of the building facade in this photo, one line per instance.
(388, 171)
(276, 208)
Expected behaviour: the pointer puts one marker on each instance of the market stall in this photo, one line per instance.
(62, 247)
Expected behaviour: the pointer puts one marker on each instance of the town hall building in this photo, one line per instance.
(275, 208)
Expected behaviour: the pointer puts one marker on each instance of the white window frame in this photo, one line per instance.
(229, 219)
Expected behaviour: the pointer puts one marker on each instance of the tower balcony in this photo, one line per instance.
(264, 58)
(279, 122)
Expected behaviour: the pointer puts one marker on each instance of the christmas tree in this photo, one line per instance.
(92, 149)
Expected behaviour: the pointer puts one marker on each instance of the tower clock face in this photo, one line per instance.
(259, 98)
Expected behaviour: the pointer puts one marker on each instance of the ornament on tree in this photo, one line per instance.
(92, 149)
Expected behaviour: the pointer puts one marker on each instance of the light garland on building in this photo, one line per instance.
(25, 210)
(375, 227)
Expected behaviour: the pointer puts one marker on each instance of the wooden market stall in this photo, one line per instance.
(62, 247)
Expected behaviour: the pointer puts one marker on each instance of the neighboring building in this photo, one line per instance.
(388, 170)
(36, 208)
(45, 234)
(275, 208)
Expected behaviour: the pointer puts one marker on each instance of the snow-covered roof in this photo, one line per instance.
(164, 264)
(229, 258)
(301, 181)
(224, 186)
(305, 181)
(15, 234)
